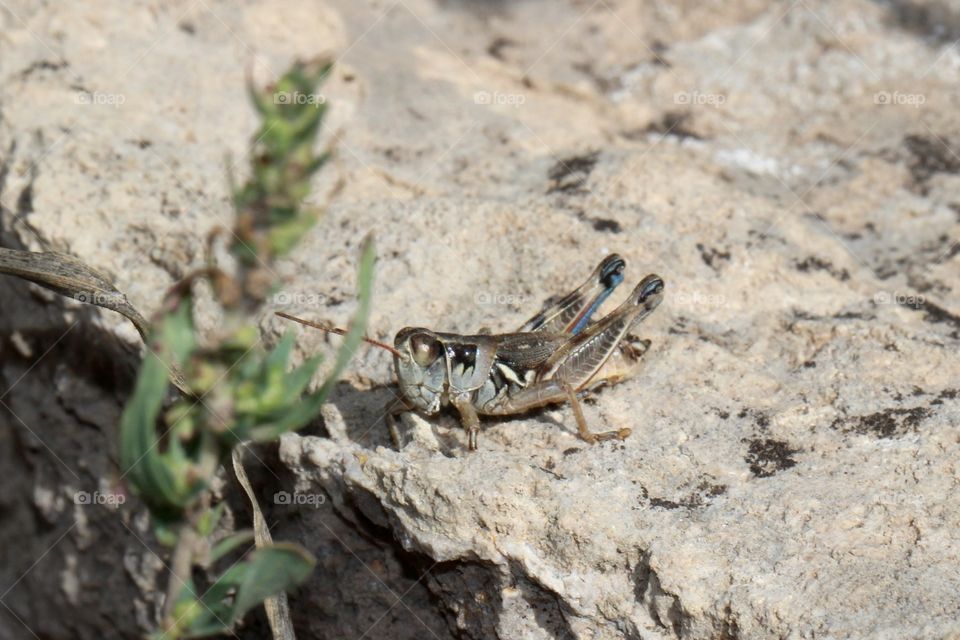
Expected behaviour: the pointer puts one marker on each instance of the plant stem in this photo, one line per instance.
(180, 565)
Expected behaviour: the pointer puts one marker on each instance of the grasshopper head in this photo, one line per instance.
(421, 368)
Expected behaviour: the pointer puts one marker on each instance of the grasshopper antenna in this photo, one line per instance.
(339, 332)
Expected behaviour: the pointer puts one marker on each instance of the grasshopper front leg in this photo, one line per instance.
(468, 418)
(394, 408)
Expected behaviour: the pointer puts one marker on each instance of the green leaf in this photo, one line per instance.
(243, 252)
(159, 479)
(186, 601)
(208, 520)
(358, 325)
(230, 543)
(268, 571)
(283, 237)
(177, 336)
(139, 456)
(302, 412)
(314, 165)
(294, 418)
(298, 379)
(276, 360)
(186, 610)
(165, 532)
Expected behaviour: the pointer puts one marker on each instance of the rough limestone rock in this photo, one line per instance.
(791, 169)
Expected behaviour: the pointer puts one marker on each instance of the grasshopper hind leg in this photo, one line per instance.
(582, 430)
(623, 364)
(572, 312)
(552, 392)
(603, 353)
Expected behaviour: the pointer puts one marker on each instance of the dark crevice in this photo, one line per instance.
(934, 313)
(365, 580)
(570, 174)
(702, 495)
(548, 609)
(712, 257)
(43, 65)
(931, 155)
(935, 21)
(649, 592)
(604, 225)
(495, 48)
(813, 263)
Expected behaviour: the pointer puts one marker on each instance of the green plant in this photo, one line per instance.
(231, 391)
(234, 391)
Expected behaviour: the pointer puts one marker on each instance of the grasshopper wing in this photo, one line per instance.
(523, 351)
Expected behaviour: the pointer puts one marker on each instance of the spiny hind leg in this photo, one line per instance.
(624, 363)
(572, 312)
(552, 392)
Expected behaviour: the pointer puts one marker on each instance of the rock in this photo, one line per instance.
(791, 172)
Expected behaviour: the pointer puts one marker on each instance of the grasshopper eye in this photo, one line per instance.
(426, 349)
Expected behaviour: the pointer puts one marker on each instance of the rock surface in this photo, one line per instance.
(790, 169)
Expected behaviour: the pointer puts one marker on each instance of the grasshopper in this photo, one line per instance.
(558, 355)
